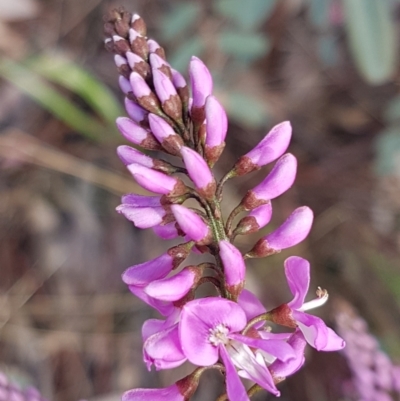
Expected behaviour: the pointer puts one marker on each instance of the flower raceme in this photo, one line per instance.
(228, 331)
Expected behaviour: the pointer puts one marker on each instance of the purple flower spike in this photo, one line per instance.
(278, 181)
(201, 82)
(173, 288)
(156, 181)
(269, 149)
(171, 393)
(234, 267)
(163, 85)
(135, 112)
(294, 230)
(255, 220)
(199, 172)
(165, 134)
(191, 224)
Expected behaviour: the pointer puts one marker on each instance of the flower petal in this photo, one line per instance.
(165, 308)
(170, 393)
(234, 386)
(163, 349)
(198, 318)
(313, 328)
(297, 271)
(335, 343)
(233, 262)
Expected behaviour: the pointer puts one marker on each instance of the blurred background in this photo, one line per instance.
(68, 325)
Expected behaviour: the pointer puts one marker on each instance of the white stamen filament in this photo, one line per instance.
(315, 303)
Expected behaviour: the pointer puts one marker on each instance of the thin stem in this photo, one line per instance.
(234, 213)
(252, 322)
(212, 280)
(222, 397)
(220, 186)
(253, 390)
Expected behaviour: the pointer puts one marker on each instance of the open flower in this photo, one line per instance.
(209, 329)
(315, 331)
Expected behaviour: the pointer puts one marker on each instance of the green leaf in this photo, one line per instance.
(180, 59)
(372, 38)
(392, 112)
(247, 46)
(50, 99)
(246, 110)
(387, 151)
(247, 14)
(179, 19)
(64, 72)
(319, 12)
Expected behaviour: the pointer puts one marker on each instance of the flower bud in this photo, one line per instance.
(154, 47)
(166, 135)
(191, 224)
(181, 87)
(138, 44)
(216, 129)
(124, 85)
(199, 172)
(122, 65)
(129, 155)
(144, 96)
(294, 230)
(138, 24)
(279, 180)
(156, 181)
(138, 65)
(202, 86)
(137, 113)
(234, 267)
(137, 134)
(269, 149)
(170, 101)
(255, 220)
(159, 64)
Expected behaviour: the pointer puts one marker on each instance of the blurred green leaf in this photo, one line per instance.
(388, 151)
(372, 38)
(319, 12)
(247, 14)
(245, 109)
(327, 49)
(180, 18)
(180, 59)
(79, 81)
(392, 112)
(50, 99)
(248, 46)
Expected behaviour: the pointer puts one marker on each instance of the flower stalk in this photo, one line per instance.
(226, 331)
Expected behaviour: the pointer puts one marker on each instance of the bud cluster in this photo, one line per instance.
(374, 376)
(11, 392)
(229, 331)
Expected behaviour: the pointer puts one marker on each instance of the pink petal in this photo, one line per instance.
(234, 386)
(334, 343)
(136, 200)
(129, 155)
(167, 231)
(313, 328)
(143, 217)
(165, 308)
(172, 288)
(251, 305)
(163, 349)
(297, 271)
(144, 273)
(284, 369)
(216, 122)
(201, 315)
